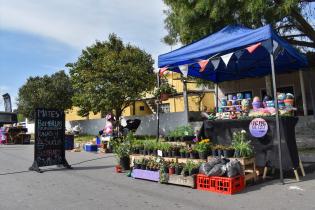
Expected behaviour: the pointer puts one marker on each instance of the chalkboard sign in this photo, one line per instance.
(49, 146)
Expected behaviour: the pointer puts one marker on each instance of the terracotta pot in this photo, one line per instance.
(171, 170)
(164, 96)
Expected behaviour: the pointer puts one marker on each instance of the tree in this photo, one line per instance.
(109, 75)
(53, 92)
(190, 20)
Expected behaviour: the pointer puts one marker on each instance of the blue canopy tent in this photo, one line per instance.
(270, 55)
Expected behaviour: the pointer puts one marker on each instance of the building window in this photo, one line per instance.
(141, 108)
(165, 108)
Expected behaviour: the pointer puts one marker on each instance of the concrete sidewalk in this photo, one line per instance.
(93, 184)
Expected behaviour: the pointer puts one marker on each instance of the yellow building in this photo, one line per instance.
(198, 99)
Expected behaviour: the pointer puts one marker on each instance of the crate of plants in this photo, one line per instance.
(147, 169)
(180, 174)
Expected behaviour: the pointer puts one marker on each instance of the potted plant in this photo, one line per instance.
(203, 148)
(137, 164)
(228, 152)
(182, 152)
(190, 167)
(171, 169)
(241, 145)
(219, 150)
(178, 168)
(122, 149)
(164, 91)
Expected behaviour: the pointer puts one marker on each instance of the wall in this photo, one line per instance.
(148, 126)
(71, 114)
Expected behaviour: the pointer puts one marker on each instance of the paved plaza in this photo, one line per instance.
(93, 184)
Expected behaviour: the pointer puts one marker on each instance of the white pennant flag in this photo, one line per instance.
(275, 45)
(226, 58)
(215, 62)
(184, 69)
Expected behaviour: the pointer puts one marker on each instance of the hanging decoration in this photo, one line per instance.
(226, 58)
(184, 69)
(239, 53)
(253, 47)
(163, 71)
(215, 62)
(203, 64)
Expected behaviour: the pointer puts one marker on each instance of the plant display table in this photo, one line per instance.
(146, 174)
(189, 181)
(248, 166)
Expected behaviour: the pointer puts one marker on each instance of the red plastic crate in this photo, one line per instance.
(224, 185)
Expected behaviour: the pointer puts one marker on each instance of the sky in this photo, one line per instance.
(39, 37)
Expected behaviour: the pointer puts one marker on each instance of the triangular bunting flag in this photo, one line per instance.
(203, 64)
(226, 58)
(215, 62)
(163, 70)
(252, 48)
(275, 45)
(239, 53)
(184, 69)
(267, 44)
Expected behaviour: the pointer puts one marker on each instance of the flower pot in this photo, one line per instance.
(164, 96)
(137, 166)
(256, 105)
(220, 152)
(143, 167)
(237, 153)
(182, 154)
(185, 173)
(214, 152)
(141, 151)
(118, 169)
(144, 152)
(174, 153)
(187, 155)
(203, 155)
(228, 153)
(171, 170)
(178, 170)
(124, 162)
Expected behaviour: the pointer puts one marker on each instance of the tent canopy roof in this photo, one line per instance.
(234, 38)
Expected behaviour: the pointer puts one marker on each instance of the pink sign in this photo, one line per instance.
(258, 127)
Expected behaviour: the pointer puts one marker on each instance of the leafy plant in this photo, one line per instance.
(203, 146)
(241, 144)
(182, 131)
(165, 88)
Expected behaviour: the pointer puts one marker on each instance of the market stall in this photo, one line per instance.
(235, 53)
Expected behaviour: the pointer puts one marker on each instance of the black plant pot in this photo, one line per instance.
(186, 173)
(193, 171)
(124, 162)
(203, 155)
(174, 153)
(178, 170)
(214, 152)
(183, 154)
(187, 155)
(143, 167)
(144, 152)
(237, 153)
(141, 151)
(136, 151)
(228, 153)
(154, 152)
(192, 155)
(220, 152)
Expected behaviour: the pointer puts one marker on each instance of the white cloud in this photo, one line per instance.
(80, 23)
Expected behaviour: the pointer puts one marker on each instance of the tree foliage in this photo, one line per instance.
(190, 20)
(53, 92)
(109, 75)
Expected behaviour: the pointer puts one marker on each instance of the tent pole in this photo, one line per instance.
(185, 97)
(158, 111)
(277, 113)
(217, 97)
(310, 80)
(303, 93)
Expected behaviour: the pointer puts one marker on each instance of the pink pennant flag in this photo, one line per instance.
(163, 70)
(253, 47)
(203, 64)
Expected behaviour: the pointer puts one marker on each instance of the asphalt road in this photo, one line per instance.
(93, 184)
